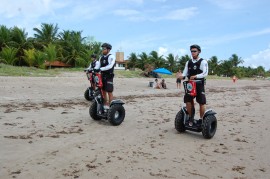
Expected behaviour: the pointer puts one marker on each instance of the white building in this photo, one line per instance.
(120, 63)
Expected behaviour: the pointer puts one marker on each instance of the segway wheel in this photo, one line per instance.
(179, 122)
(116, 114)
(93, 111)
(86, 94)
(209, 126)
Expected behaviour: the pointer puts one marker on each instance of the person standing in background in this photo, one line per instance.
(234, 78)
(178, 79)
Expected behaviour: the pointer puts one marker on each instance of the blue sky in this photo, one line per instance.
(220, 27)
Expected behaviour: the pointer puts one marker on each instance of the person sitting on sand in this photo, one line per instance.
(163, 84)
(156, 84)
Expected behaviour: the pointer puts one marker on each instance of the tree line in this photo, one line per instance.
(48, 44)
(68, 46)
(226, 68)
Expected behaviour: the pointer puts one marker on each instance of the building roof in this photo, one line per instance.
(56, 64)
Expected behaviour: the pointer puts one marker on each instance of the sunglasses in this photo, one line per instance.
(194, 51)
(104, 49)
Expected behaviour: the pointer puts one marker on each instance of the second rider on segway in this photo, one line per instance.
(89, 92)
(104, 106)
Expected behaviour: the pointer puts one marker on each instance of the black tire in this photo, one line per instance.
(86, 94)
(93, 111)
(116, 114)
(209, 126)
(179, 122)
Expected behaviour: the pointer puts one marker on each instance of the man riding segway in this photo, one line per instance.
(196, 69)
(106, 66)
(104, 106)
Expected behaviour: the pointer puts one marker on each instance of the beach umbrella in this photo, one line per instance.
(163, 71)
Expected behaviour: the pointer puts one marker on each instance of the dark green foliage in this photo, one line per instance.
(46, 45)
(70, 47)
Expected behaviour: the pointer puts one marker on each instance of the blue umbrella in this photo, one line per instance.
(162, 71)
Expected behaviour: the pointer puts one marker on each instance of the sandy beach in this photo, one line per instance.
(46, 131)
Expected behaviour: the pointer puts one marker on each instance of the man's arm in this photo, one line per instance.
(111, 61)
(97, 65)
(204, 68)
(89, 68)
(185, 72)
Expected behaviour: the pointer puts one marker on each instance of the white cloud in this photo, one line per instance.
(83, 11)
(162, 51)
(228, 37)
(126, 12)
(136, 1)
(154, 15)
(182, 14)
(182, 51)
(28, 13)
(229, 4)
(165, 51)
(262, 58)
(138, 44)
(29, 9)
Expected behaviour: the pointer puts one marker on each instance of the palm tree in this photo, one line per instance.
(95, 47)
(51, 53)
(171, 63)
(142, 61)
(156, 60)
(132, 60)
(29, 56)
(40, 58)
(8, 55)
(85, 58)
(65, 47)
(5, 36)
(260, 71)
(19, 41)
(235, 60)
(47, 34)
(90, 44)
(213, 65)
(89, 49)
(65, 35)
(225, 68)
(182, 61)
(72, 47)
(18, 36)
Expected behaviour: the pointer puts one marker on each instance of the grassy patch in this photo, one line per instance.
(128, 74)
(8, 70)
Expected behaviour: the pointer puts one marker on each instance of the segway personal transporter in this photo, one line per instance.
(207, 125)
(115, 114)
(89, 92)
